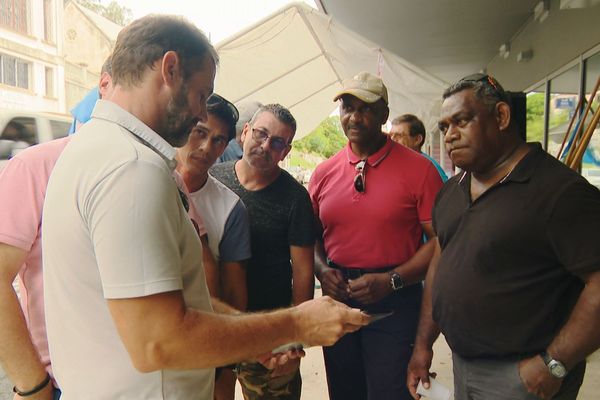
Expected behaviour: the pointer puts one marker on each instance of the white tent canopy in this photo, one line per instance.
(299, 56)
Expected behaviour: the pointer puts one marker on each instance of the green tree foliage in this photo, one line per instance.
(535, 117)
(113, 11)
(326, 140)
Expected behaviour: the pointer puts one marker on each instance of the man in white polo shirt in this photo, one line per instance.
(127, 308)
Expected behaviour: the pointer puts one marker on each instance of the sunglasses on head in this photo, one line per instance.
(485, 78)
(360, 180)
(218, 101)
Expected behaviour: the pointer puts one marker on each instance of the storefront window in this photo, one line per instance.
(590, 166)
(535, 114)
(564, 93)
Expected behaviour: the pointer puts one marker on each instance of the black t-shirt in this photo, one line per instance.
(280, 216)
(511, 263)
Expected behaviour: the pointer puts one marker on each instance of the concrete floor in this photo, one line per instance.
(315, 385)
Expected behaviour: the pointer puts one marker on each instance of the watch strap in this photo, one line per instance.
(546, 357)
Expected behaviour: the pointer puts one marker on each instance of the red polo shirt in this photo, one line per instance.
(381, 226)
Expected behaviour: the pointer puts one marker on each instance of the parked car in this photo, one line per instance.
(21, 129)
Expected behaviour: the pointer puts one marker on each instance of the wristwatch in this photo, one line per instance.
(396, 281)
(556, 368)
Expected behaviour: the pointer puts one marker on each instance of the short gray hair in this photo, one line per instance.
(280, 112)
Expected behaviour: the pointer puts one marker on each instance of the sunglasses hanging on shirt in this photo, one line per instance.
(360, 180)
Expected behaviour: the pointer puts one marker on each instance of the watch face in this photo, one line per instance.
(557, 369)
(397, 282)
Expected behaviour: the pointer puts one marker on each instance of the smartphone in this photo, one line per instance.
(376, 316)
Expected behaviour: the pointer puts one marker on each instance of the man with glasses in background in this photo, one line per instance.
(514, 283)
(282, 229)
(408, 130)
(372, 201)
(221, 210)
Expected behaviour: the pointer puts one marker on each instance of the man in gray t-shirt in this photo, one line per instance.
(281, 226)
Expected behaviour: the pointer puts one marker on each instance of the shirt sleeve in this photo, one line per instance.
(235, 242)
(302, 226)
(21, 202)
(135, 218)
(313, 191)
(573, 228)
(426, 197)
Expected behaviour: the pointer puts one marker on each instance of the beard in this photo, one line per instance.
(179, 122)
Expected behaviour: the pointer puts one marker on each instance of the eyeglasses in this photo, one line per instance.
(275, 142)
(215, 102)
(360, 180)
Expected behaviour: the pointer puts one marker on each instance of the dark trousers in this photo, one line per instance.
(370, 364)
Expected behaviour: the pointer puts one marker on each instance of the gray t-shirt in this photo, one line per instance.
(280, 216)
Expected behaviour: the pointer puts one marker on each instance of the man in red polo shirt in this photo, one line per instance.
(373, 203)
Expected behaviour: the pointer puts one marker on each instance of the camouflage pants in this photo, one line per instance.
(257, 383)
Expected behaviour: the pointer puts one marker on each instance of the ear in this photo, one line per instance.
(105, 85)
(170, 68)
(245, 131)
(421, 139)
(503, 115)
(386, 114)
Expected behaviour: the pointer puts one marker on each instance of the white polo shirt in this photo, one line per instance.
(114, 227)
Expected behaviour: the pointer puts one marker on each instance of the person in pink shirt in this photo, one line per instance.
(23, 342)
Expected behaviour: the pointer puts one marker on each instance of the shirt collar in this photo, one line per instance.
(527, 165)
(524, 169)
(112, 112)
(374, 159)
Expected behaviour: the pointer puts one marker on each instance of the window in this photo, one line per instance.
(590, 165)
(59, 128)
(535, 114)
(14, 71)
(564, 94)
(50, 82)
(13, 15)
(18, 134)
(49, 21)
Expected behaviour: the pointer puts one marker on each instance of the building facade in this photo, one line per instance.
(31, 62)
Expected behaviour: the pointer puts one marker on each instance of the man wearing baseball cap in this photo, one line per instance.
(372, 201)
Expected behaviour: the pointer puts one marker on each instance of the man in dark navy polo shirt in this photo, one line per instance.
(514, 283)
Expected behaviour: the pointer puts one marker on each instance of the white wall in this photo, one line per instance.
(562, 37)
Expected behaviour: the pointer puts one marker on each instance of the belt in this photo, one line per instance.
(354, 273)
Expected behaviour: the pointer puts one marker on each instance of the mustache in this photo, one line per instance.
(355, 126)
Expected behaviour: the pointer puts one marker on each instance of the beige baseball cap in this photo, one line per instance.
(365, 86)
